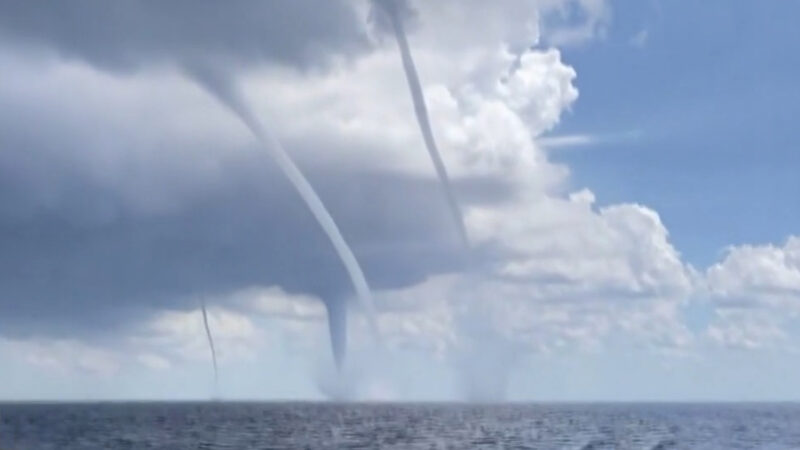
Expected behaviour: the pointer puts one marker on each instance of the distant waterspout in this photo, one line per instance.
(210, 344)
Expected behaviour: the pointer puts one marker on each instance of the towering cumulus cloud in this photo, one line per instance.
(394, 11)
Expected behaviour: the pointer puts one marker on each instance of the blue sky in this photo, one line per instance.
(710, 95)
(627, 187)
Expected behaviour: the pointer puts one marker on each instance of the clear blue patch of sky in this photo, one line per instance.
(713, 95)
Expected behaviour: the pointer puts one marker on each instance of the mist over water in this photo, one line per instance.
(484, 376)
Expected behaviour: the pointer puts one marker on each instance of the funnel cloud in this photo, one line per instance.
(222, 88)
(392, 10)
(211, 346)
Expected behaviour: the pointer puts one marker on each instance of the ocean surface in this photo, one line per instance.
(217, 425)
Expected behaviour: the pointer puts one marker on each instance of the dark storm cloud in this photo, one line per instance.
(52, 270)
(99, 228)
(123, 35)
(83, 247)
(78, 255)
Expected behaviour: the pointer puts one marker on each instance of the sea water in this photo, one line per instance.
(220, 425)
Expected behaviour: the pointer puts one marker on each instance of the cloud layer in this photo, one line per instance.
(127, 194)
(131, 35)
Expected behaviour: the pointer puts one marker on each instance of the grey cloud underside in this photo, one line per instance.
(78, 258)
(59, 275)
(124, 35)
(58, 269)
(83, 251)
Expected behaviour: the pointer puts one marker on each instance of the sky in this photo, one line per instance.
(626, 172)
